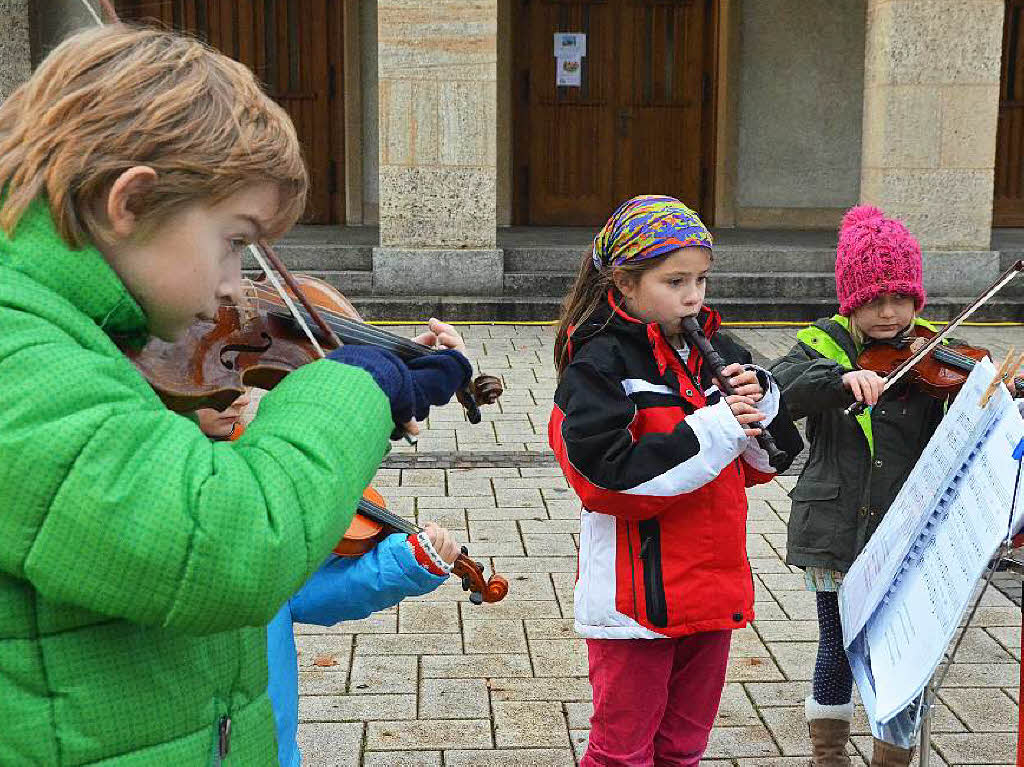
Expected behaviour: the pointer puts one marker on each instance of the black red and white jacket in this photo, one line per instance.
(661, 466)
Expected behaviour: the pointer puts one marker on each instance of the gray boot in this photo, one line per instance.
(829, 730)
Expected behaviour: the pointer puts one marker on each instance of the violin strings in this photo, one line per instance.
(341, 318)
(954, 357)
(255, 251)
(383, 515)
(357, 331)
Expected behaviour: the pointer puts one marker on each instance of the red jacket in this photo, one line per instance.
(661, 466)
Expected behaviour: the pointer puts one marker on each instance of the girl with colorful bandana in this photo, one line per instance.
(660, 460)
(855, 467)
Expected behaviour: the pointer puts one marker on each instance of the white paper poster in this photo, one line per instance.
(570, 48)
(570, 44)
(568, 72)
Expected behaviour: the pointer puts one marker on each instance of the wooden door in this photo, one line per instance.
(1008, 197)
(295, 49)
(641, 121)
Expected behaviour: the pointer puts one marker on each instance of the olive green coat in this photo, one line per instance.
(855, 467)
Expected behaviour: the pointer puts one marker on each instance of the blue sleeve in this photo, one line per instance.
(349, 588)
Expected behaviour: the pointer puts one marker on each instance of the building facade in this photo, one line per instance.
(442, 120)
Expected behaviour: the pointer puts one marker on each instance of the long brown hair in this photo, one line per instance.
(588, 292)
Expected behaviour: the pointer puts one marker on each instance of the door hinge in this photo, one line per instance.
(332, 81)
(705, 94)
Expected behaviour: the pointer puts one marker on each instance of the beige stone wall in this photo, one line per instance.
(437, 68)
(798, 101)
(15, 54)
(931, 96)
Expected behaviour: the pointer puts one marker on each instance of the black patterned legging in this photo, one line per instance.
(833, 680)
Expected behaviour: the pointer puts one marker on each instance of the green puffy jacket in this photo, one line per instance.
(139, 562)
(854, 468)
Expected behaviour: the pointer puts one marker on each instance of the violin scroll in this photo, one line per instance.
(484, 390)
(493, 589)
(487, 389)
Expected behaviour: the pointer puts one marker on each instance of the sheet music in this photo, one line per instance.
(869, 578)
(915, 599)
(909, 634)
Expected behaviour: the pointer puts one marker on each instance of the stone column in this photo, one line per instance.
(437, 64)
(931, 97)
(15, 53)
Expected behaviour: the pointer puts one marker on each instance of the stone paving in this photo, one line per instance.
(439, 681)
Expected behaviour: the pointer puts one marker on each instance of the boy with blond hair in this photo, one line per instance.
(139, 562)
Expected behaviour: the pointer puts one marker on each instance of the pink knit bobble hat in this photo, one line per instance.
(876, 255)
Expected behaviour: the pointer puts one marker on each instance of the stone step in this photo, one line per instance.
(555, 285)
(549, 271)
(516, 309)
(416, 309)
(779, 297)
(749, 285)
(349, 282)
(1006, 260)
(332, 257)
(728, 258)
(305, 257)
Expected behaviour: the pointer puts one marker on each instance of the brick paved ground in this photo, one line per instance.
(438, 681)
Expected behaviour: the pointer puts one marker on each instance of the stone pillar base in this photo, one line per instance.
(403, 271)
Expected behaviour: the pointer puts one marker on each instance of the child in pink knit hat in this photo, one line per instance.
(876, 255)
(855, 468)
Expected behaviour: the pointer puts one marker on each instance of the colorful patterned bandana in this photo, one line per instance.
(646, 227)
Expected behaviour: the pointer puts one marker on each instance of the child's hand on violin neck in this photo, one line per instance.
(865, 385)
(444, 544)
(441, 334)
(414, 386)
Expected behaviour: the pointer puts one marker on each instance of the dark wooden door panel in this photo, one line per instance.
(570, 129)
(295, 49)
(662, 101)
(1008, 196)
(639, 122)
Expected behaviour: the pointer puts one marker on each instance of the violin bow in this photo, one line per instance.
(893, 378)
(108, 11)
(257, 251)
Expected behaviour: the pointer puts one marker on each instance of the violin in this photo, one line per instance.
(920, 352)
(939, 374)
(373, 522)
(259, 341)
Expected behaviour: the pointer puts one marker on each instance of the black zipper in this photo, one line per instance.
(654, 584)
(223, 740)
